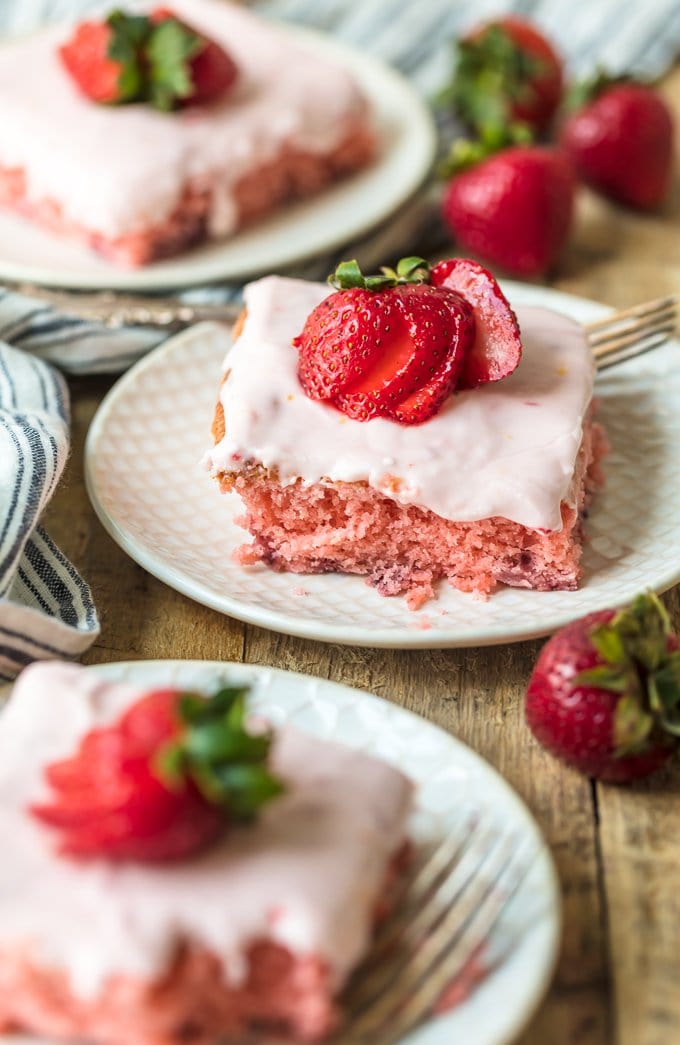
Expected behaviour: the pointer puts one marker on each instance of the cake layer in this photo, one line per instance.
(507, 449)
(304, 877)
(351, 528)
(119, 170)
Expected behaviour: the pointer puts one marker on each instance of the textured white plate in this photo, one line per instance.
(298, 231)
(452, 782)
(147, 486)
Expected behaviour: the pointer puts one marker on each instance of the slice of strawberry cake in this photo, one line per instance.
(174, 872)
(399, 428)
(144, 133)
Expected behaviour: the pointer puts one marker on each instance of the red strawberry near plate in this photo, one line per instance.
(506, 71)
(512, 208)
(620, 140)
(604, 695)
(396, 345)
(162, 782)
(159, 60)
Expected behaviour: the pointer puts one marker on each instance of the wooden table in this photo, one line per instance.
(617, 850)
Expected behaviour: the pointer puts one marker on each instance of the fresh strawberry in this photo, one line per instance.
(605, 692)
(161, 782)
(88, 58)
(620, 139)
(157, 59)
(513, 208)
(497, 347)
(210, 70)
(379, 340)
(506, 71)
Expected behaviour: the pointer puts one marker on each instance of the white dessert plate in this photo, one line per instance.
(146, 483)
(452, 782)
(298, 231)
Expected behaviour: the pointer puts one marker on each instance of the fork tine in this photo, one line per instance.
(647, 308)
(450, 961)
(628, 334)
(632, 350)
(462, 864)
(455, 928)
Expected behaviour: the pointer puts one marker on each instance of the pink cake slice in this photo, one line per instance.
(136, 184)
(490, 491)
(261, 931)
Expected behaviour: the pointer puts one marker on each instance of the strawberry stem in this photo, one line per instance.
(637, 663)
(348, 275)
(490, 72)
(466, 152)
(217, 753)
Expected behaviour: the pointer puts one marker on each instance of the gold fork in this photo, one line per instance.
(633, 331)
(614, 339)
(437, 934)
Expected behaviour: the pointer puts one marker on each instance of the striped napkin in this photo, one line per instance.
(46, 610)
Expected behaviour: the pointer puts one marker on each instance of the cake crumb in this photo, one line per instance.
(300, 591)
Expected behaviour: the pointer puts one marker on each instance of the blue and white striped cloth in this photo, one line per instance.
(46, 610)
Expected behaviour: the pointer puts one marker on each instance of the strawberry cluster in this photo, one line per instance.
(157, 59)
(398, 344)
(510, 196)
(161, 782)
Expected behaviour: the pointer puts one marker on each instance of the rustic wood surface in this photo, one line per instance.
(617, 850)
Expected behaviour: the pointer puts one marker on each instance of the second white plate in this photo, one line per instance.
(144, 478)
(296, 232)
(453, 783)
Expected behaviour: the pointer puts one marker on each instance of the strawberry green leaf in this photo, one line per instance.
(603, 677)
(609, 644)
(348, 275)
(490, 72)
(169, 50)
(128, 36)
(632, 727)
(216, 751)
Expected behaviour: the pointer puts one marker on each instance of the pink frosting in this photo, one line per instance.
(119, 169)
(305, 874)
(506, 449)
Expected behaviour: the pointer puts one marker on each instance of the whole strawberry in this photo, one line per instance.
(620, 140)
(513, 208)
(162, 782)
(506, 71)
(604, 695)
(397, 345)
(156, 59)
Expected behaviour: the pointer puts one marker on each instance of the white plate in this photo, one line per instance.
(297, 231)
(452, 782)
(145, 482)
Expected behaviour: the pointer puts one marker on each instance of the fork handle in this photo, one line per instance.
(119, 310)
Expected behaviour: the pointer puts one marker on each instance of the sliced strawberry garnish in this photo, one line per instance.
(497, 347)
(341, 339)
(370, 346)
(98, 76)
(162, 782)
(158, 59)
